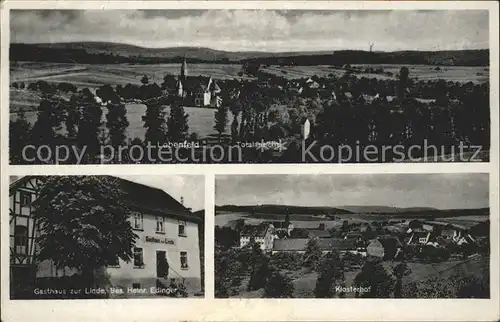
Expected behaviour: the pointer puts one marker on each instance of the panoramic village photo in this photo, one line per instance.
(103, 237)
(248, 86)
(352, 236)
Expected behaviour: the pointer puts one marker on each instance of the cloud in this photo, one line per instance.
(264, 30)
(443, 191)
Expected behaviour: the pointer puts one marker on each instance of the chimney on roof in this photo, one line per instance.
(182, 201)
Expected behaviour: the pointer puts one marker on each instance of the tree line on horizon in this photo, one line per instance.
(67, 54)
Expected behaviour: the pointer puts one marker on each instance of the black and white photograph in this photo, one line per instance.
(352, 236)
(104, 237)
(248, 86)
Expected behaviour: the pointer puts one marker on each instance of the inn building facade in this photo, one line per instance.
(167, 248)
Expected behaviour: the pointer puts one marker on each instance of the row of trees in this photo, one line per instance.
(79, 123)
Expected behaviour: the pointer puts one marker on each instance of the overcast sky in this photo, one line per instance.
(259, 30)
(442, 191)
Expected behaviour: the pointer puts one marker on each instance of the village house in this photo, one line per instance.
(285, 226)
(419, 237)
(299, 245)
(166, 248)
(262, 234)
(198, 90)
(319, 233)
(384, 247)
(457, 233)
(305, 129)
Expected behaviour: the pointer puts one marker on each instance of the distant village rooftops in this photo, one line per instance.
(255, 230)
(325, 244)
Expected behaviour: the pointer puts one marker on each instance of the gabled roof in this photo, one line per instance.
(16, 184)
(290, 244)
(420, 234)
(152, 199)
(387, 241)
(338, 244)
(325, 244)
(255, 230)
(214, 87)
(319, 233)
(193, 83)
(141, 197)
(281, 224)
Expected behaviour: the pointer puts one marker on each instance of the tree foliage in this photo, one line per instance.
(375, 278)
(313, 254)
(278, 286)
(89, 124)
(156, 127)
(19, 136)
(177, 123)
(331, 269)
(117, 124)
(221, 119)
(84, 223)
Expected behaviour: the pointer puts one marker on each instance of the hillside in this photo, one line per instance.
(283, 209)
(384, 209)
(423, 212)
(110, 53)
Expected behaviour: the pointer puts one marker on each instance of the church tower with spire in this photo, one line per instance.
(184, 71)
(181, 82)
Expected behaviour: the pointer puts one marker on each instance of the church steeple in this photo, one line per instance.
(184, 69)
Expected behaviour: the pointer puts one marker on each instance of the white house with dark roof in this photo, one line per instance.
(166, 249)
(263, 234)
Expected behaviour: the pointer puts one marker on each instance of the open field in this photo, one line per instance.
(82, 75)
(309, 221)
(461, 74)
(117, 74)
(418, 72)
(200, 120)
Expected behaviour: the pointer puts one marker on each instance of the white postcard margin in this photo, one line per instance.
(210, 309)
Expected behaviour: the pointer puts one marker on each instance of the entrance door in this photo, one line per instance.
(161, 264)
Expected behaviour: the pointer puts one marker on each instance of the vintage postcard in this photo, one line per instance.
(250, 161)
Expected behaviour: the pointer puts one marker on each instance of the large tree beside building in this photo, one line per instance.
(83, 224)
